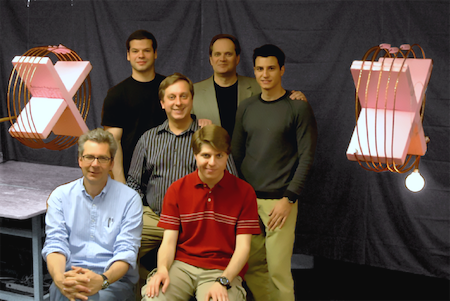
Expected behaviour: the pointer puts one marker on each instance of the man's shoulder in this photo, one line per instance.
(249, 83)
(206, 83)
(121, 85)
(129, 82)
(68, 186)
(66, 191)
(297, 105)
(159, 78)
(235, 181)
(128, 197)
(251, 100)
(190, 179)
(152, 134)
(246, 79)
(117, 93)
(125, 191)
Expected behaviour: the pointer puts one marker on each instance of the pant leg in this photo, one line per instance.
(207, 278)
(151, 236)
(257, 275)
(119, 290)
(269, 276)
(55, 294)
(151, 239)
(181, 286)
(279, 248)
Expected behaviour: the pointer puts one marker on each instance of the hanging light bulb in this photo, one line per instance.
(414, 181)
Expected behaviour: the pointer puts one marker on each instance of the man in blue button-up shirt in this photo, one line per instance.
(93, 228)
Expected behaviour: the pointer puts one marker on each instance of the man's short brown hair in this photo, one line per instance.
(141, 35)
(215, 136)
(170, 80)
(237, 46)
(98, 135)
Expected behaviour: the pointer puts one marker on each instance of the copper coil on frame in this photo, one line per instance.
(372, 161)
(18, 97)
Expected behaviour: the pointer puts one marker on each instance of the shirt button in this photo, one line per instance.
(209, 199)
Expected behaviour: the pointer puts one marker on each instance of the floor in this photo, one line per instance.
(336, 280)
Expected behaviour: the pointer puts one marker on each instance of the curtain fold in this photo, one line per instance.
(345, 213)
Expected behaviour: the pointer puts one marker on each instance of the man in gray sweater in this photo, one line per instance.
(273, 145)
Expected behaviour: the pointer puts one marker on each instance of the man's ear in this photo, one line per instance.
(282, 70)
(112, 165)
(162, 104)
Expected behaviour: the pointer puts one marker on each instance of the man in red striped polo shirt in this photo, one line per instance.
(209, 217)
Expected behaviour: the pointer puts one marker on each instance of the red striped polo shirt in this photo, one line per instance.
(208, 220)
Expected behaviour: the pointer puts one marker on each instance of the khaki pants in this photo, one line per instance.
(151, 238)
(269, 276)
(187, 280)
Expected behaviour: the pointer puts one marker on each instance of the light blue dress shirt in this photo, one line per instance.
(94, 233)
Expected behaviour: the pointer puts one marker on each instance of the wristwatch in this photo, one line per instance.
(291, 201)
(224, 281)
(105, 283)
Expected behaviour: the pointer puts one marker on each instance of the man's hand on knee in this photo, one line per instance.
(154, 282)
(217, 292)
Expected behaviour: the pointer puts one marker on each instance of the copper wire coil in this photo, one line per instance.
(18, 96)
(372, 161)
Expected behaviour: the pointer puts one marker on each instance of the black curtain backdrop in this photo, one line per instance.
(345, 213)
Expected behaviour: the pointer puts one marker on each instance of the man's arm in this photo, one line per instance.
(56, 249)
(238, 140)
(306, 135)
(237, 262)
(116, 271)
(118, 159)
(127, 242)
(138, 167)
(166, 256)
(56, 265)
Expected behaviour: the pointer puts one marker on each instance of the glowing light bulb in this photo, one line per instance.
(414, 181)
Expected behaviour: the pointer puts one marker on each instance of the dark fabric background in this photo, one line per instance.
(345, 213)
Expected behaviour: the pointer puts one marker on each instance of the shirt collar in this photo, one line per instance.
(104, 190)
(224, 182)
(164, 127)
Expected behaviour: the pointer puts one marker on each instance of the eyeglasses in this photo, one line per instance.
(101, 159)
